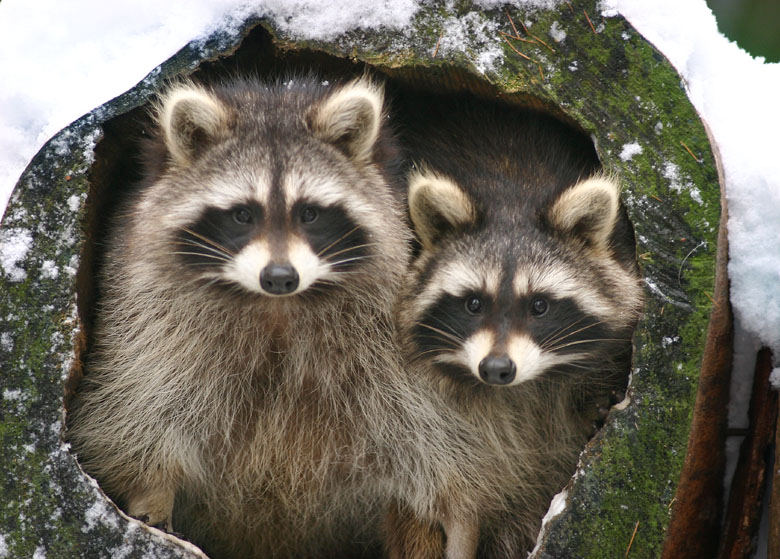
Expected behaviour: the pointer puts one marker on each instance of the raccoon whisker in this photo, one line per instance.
(449, 327)
(447, 335)
(437, 351)
(550, 343)
(347, 260)
(211, 248)
(439, 338)
(348, 249)
(564, 332)
(578, 342)
(344, 236)
(208, 241)
(325, 282)
(560, 330)
(340, 273)
(446, 348)
(214, 256)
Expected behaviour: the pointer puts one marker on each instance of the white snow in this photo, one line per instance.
(743, 365)
(630, 150)
(3, 547)
(556, 32)
(774, 378)
(541, 4)
(74, 202)
(666, 341)
(557, 505)
(12, 394)
(671, 172)
(49, 269)
(99, 513)
(472, 32)
(6, 341)
(14, 245)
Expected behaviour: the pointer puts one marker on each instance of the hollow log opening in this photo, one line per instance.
(116, 171)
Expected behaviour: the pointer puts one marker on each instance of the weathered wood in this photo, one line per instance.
(695, 528)
(743, 514)
(773, 547)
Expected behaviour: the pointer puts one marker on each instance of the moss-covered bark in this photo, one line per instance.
(597, 71)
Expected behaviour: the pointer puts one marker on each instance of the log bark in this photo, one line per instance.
(695, 527)
(748, 489)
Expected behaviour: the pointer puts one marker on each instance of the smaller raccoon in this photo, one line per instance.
(518, 312)
(240, 383)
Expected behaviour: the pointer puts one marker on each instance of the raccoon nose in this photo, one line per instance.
(279, 279)
(497, 370)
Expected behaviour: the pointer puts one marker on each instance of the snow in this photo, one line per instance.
(671, 172)
(12, 394)
(14, 245)
(6, 342)
(774, 378)
(557, 505)
(49, 269)
(99, 513)
(556, 32)
(630, 150)
(471, 32)
(539, 4)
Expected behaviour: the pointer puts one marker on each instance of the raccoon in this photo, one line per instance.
(518, 311)
(240, 388)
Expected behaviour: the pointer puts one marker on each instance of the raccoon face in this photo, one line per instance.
(245, 245)
(508, 322)
(507, 308)
(279, 198)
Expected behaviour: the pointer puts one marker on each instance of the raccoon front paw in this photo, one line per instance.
(153, 508)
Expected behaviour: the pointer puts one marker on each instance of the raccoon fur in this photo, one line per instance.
(240, 387)
(518, 312)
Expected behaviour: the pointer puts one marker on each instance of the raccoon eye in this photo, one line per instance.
(539, 306)
(309, 214)
(242, 216)
(474, 304)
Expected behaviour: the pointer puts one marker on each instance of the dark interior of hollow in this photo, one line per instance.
(117, 170)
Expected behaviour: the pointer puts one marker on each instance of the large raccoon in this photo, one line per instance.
(519, 312)
(240, 385)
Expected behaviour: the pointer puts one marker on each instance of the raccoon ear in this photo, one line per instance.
(437, 206)
(588, 210)
(190, 118)
(349, 118)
